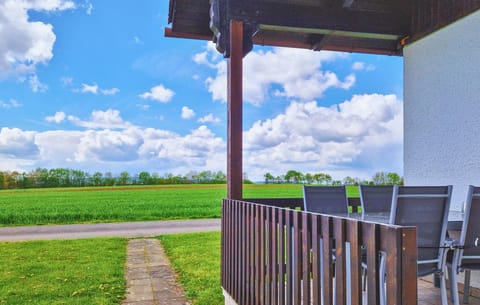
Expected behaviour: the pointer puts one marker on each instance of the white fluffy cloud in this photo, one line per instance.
(36, 85)
(58, 117)
(10, 104)
(187, 113)
(17, 143)
(365, 133)
(133, 149)
(94, 88)
(89, 88)
(209, 118)
(359, 66)
(158, 93)
(111, 91)
(108, 145)
(101, 119)
(26, 43)
(200, 149)
(298, 73)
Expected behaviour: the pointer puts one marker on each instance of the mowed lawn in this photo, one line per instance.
(74, 272)
(131, 203)
(195, 257)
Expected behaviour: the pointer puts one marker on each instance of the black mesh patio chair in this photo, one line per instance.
(466, 256)
(325, 199)
(375, 198)
(426, 208)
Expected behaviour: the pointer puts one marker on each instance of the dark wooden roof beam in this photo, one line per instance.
(377, 6)
(335, 18)
(330, 32)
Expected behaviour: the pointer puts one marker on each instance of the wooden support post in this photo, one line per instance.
(234, 116)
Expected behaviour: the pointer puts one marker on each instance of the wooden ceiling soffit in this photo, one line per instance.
(335, 18)
(375, 25)
(431, 15)
(329, 19)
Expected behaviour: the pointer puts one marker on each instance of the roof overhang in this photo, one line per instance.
(366, 26)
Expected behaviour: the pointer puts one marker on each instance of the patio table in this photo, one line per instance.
(455, 218)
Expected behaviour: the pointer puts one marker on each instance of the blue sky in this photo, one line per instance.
(94, 85)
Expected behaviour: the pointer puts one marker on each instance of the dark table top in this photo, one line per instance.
(455, 218)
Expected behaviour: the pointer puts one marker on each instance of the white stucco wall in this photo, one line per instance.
(442, 108)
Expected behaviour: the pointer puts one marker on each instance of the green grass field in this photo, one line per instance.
(74, 272)
(135, 203)
(196, 259)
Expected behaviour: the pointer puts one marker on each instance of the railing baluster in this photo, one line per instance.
(297, 258)
(242, 253)
(409, 265)
(306, 247)
(251, 255)
(316, 260)
(230, 246)
(327, 260)
(389, 238)
(370, 239)
(340, 273)
(268, 255)
(274, 255)
(262, 255)
(353, 236)
(288, 252)
(281, 252)
(258, 268)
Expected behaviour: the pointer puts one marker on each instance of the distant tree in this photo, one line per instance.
(308, 178)
(336, 182)
(322, 178)
(280, 179)
(144, 178)
(351, 181)
(380, 178)
(269, 178)
(39, 177)
(394, 178)
(293, 176)
(383, 178)
(108, 179)
(78, 177)
(220, 177)
(155, 178)
(97, 178)
(124, 178)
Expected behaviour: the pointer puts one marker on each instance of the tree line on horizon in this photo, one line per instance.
(65, 177)
(293, 176)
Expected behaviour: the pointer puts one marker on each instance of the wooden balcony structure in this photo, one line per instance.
(271, 254)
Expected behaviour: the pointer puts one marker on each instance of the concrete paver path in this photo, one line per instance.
(150, 279)
(124, 229)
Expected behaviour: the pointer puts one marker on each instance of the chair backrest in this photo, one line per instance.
(376, 198)
(426, 208)
(470, 234)
(325, 199)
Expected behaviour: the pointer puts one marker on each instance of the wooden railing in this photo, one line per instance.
(278, 256)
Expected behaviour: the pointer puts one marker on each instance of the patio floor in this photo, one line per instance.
(430, 295)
